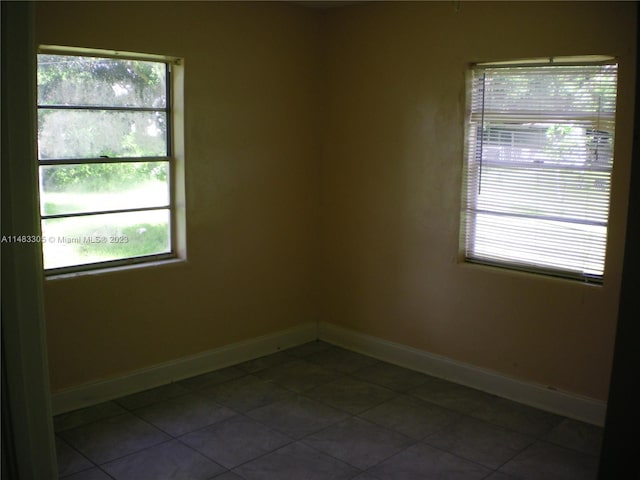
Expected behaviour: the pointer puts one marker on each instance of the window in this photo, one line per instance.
(106, 163)
(539, 154)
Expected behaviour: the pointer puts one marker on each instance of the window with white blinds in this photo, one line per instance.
(538, 166)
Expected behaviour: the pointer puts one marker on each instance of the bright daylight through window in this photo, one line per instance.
(105, 160)
(538, 166)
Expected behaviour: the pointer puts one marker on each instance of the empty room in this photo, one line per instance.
(322, 240)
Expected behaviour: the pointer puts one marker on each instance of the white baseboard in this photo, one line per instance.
(564, 403)
(174, 370)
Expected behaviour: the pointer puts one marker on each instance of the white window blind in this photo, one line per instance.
(538, 167)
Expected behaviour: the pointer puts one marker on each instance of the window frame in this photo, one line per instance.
(174, 158)
(471, 182)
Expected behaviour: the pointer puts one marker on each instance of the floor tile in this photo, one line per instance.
(411, 416)
(365, 476)
(308, 349)
(151, 396)
(350, 394)
(480, 442)
(91, 474)
(228, 476)
(358, 442)
(578, 436)
(113, 437)
(297, 416)
(319, 412)
(246, 393)
(257, 364)
(83, 416)
(296, 461)
(341, 360)
(550, 462)
(500, 476)
(69, 460)
(518, 417)
(212, 378)
(391, 376)
(168, 461)
(451, 395)
(235, 441)
(421, 462)
(298, 375)
(184, 414)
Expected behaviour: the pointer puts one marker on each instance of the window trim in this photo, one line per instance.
(467, 225)
(174, 109)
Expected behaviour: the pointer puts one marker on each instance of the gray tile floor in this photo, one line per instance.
(319, 412)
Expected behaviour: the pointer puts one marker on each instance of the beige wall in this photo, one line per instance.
(250, 94)
(324, 154)
(391, 186)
